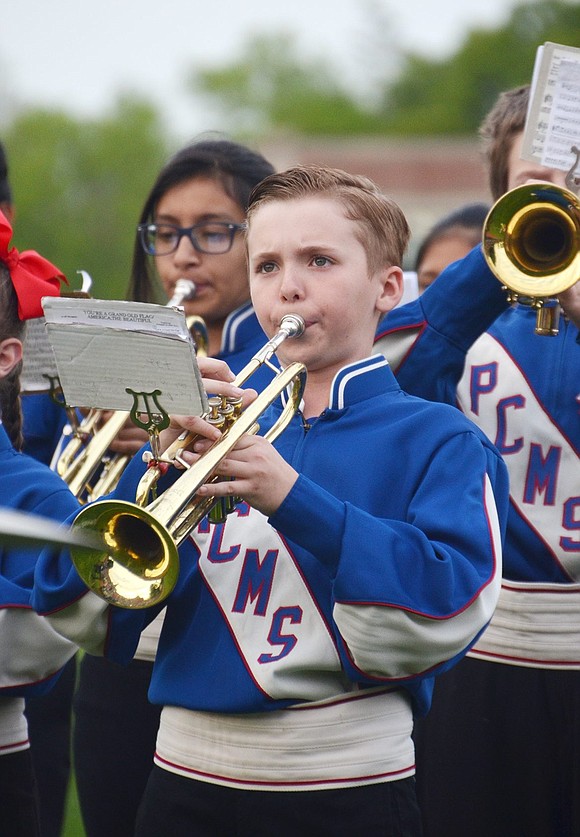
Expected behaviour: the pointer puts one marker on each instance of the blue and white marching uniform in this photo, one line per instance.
(296, 648)
(43, 421)
(460, 342)
(524, 392)
(242, 337)
(31, 653)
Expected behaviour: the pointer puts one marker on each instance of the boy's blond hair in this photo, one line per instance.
(382, 228)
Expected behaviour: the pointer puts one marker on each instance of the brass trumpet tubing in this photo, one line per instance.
(85, 452)
(89, 460)
(129, 580)
(292, 325)
(112, 468)
(198, 331)
(177, 501)
(67, 464)
(184, 291)
(139, 563)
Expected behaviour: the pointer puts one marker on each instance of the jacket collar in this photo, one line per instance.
(241, 327)
(361, 380)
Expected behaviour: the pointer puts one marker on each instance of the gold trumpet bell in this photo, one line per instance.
(531, 241)
(119, 574)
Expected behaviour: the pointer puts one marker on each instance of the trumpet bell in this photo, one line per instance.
(531, 240)
(119, 574)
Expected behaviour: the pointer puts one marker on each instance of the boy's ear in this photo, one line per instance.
(391, 289)
(10, 355)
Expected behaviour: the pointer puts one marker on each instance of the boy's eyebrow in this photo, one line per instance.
(305, 250)
(263, 255)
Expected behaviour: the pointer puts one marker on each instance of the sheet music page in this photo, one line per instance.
(553, 120)
(39, 372)
(103, 348)
(38, 362)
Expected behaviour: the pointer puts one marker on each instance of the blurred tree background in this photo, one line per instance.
(79, 184)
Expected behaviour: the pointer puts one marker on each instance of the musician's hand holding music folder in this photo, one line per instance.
(552, 133)
(117, 355)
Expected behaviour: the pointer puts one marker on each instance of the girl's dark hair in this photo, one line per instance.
(10, 326)
(5, 191)
(468, 219)
(235, 167)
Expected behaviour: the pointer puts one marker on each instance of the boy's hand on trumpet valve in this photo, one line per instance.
(217, 378)
(254, 471)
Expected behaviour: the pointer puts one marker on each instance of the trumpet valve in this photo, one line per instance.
(547, 319)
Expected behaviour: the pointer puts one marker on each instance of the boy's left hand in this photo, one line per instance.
(257, 473)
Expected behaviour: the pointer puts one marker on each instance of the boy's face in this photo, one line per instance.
(305, 258)
(521, 171)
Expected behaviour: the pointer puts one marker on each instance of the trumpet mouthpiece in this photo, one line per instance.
(184, 290)
(293, 325)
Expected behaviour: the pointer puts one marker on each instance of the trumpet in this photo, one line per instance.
(139, 564)
(88, 449)
(531, 242)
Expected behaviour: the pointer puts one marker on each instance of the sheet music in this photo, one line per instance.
(38, 362)
(39, 372)
(553, 119)
(103, 348)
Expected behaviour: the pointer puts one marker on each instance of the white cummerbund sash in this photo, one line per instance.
(535, 625)
(149, 639)
(353, 740)
(13, 726)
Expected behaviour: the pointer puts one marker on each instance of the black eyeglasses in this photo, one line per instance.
(214, 237)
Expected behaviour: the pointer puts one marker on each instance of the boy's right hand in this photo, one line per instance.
(217, 379)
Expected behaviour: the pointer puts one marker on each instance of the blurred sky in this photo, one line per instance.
(79, 54)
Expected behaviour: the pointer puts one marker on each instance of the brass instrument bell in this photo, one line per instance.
(531, 242)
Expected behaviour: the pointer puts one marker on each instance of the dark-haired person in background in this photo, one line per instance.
(449, 239)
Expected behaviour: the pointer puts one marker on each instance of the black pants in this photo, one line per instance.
(113, 743)
(49, 729)
(180, 807)
(498, 755)
(19, 816)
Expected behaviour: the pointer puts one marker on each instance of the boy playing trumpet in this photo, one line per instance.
(363, 558)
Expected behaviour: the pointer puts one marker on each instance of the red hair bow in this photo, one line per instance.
(32, 275)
